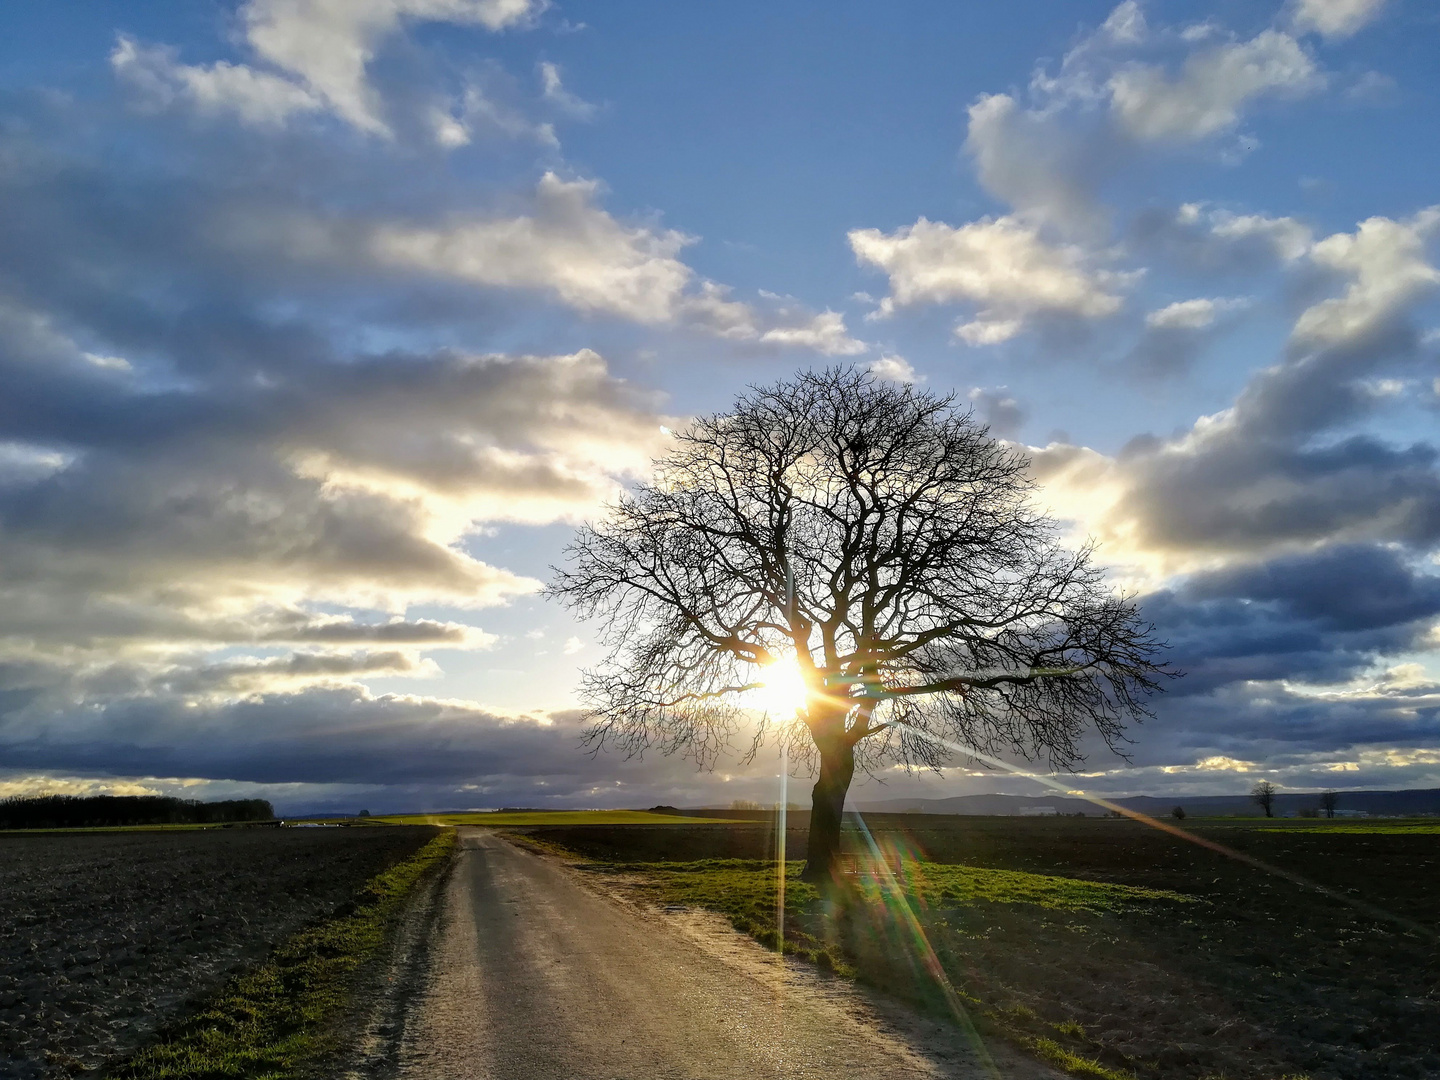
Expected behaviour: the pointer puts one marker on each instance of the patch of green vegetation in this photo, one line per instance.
(276, 1022)
(1051, 1051)
(942, 885)
(166, 827)
(551, 817)
(748, 887)
(1384, 826)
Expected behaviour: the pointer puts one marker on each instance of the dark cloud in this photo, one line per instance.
(1323, 617)
(999, 410)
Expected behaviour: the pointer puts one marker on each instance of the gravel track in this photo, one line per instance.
(106, 937)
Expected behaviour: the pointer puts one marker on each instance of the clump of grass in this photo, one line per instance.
(1051, 1051)
(275, 1022)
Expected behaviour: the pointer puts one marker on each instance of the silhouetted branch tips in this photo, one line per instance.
(876, 533)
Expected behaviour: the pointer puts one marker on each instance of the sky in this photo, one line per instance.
(324, 322)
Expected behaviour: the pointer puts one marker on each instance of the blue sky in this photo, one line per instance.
(323, 323)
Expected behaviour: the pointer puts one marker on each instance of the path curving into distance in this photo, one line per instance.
(534, 976)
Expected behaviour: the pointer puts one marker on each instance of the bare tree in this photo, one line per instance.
(1328, 801)
(876, 537)
(1263, 795)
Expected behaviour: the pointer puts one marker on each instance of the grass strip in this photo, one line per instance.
(276, 1021)
(521, 818)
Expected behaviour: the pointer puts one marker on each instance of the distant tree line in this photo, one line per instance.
(91, 811)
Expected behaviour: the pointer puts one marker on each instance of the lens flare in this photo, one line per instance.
(783, 690)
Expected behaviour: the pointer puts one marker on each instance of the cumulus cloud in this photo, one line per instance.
(1212, 87)
(1388, 269)
(256, 97)
(1334, 18)
(1197, 314)
(1214, 239)
(568, 247)
(1124, 87)
(1041, 161)
(317, 53)
(1282, 468)
(1175, 334)
(893, 369)
(1002, 265)
(326, 46)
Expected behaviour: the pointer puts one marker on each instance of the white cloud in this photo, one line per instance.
(575, 250)
(573, 645)
(1290, 239)
(553, 90)
(256, 97)
(824, 332)
(1281, 468)
(568, 245)
(894, 369)
(1126, 24)
(1197, 314)
(320, 49)
(326, 44)
(1386, 263)
(1334, 18)
(1212, 88)
(1001, 265)
(1039, 161)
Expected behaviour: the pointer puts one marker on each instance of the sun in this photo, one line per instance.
(783, 689)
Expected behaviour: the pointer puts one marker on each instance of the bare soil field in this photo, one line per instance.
(1254, 977)
(107, 937)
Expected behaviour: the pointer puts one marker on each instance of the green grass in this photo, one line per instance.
(1051, 1051)
(276, 1022)
(1363, 827)
(747, 887)
(944, 885)
(551, 817)
(159, 827)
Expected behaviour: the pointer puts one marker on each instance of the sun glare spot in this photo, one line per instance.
(782, 688)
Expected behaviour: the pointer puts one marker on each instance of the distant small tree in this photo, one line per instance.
(1263, 795)
(1328, 802)
(1178, 813)
(364, 813)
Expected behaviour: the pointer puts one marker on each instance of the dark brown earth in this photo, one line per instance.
(1266, 978)
(106, 937)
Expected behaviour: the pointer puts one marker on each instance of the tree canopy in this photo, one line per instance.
(878, 537)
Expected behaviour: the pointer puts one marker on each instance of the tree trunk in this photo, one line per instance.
(827, 805)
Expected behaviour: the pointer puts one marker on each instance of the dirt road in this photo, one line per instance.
(534, 976)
